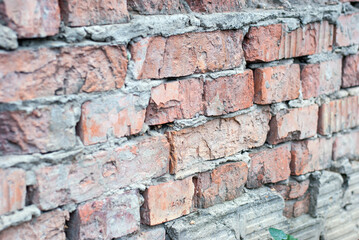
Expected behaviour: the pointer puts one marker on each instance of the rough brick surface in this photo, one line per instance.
(107, 218)
(115, 115)
(29, 74)
(181, 55)
(131, 163)
(167, 201)
(338, 115)
(297, 123)
(346, 145)
(222, 184)
(32, 18)
(273, 42)
(41, 130)
(201, 143)
(296, 208)
(276, 84)
(311, 155)
(156, 6)
(215, 6)
(49, 226)
(12, 190)
(269, 166)
(91, 12)
(351, 71)
(292, 189)
(321, 78)
(347, 30)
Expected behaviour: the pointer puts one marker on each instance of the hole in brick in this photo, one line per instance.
(29, 195)
(345, 184)
(71, 231)
(195, 195)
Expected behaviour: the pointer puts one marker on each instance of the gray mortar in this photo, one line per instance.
(8, 38)
(18, 217)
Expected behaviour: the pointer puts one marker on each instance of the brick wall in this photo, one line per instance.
(158, 119)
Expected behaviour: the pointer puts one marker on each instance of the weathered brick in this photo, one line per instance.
(276, 84)
(12, 190)
(273, 42)
(292, 189)
(131, 163)
(147, 233)
(296, 208)
(311, 155)
(347, 30)
(228, 94)
(175, 100)
(269, 166)
(321, 78)
(224, 183)
(212, 6)
(202, 143)
(156, 6)
(181, 55)
(351, 71)
(338, 115)
(290, 124)
(31, 18)
(115, 115)
(49, 226)
(167, 201)
(77, 13)
(41, 130)
(346, 145)
(107, 218)
(29, 74)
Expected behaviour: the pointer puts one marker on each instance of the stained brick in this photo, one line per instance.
(201, 143)
(12, 190)
(77, 13)
(311, 155)
(269, 166)
(292, 189)
(156, 6)
(107, 218)
(273, 42)
(351, 71)
(31, 18)
(115, 115)
(224, 183)
(296, 208)
(30, 74)
(41, 130)
(338, 115)
(181, 55)
(346, 145)
(321, 78)
(296, 123)
(347, 30)
(49, 226)
(167, 201)
(276, 84)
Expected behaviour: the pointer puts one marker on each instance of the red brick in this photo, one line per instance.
(167, 201)
(224, 183)
(156, 6)
(115, 115)
(346, 145)
(41, 130)
(311, 155)
(292, 189)
(181, 55)
(77, 13)
(30, 74)
(49, 226)
(31, 18)
(228, 94)
(351, 71)
(12, 190)
(347, 30)
(218, 138)
(273, 42)
(291, 124)
(338, 115)
(212, 6)
(321, 78)
(297, 208)
(131, 163)
(276, 84)
(107, 218)
(269, 166)
(175, 100)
